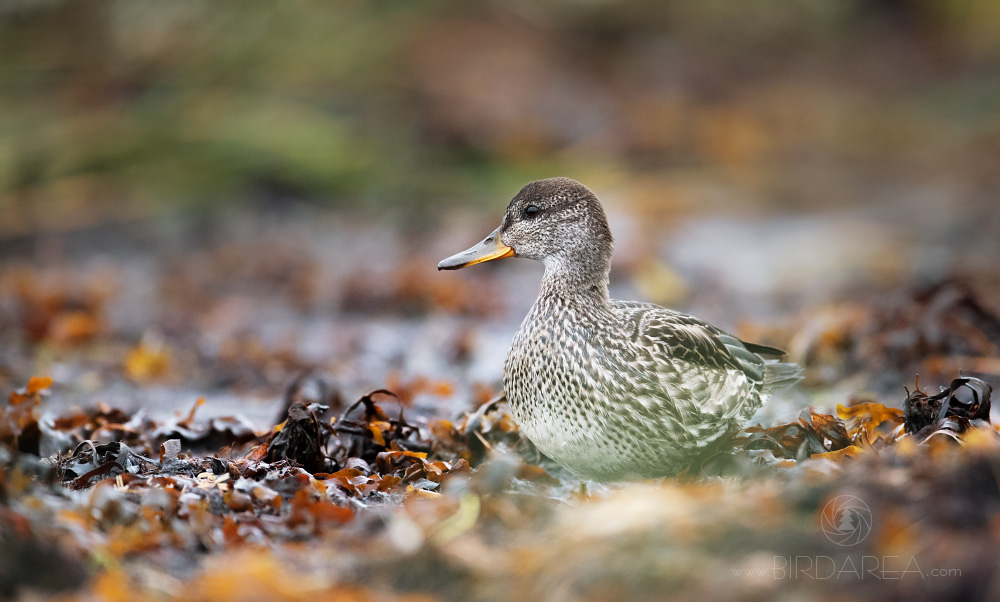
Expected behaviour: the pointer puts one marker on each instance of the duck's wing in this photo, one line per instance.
(684, 337)
(700, 369)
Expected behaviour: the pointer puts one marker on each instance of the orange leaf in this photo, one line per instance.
(874, 412)
(869, 416)
(114, 587)
(269, 497)
(237, 501)
(377, 434)
(346, 473)
(72, 327)
(442, 388)
(197, 404)
(147, 362)
(230, 530)
(258, 454)
(411, 454)
(38, 383)
(388, 482)
(847, 453)
(442, 429)
(16, 398)
(330, 511)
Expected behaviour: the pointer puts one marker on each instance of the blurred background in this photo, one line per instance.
(208, 199)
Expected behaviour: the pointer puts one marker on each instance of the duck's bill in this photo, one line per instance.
(491, 248)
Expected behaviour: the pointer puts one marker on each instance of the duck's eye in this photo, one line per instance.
(531, 211)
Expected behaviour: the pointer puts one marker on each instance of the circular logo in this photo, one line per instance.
(846, 520)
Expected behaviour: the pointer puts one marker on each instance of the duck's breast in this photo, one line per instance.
(566, 381)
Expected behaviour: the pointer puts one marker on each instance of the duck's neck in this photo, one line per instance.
(570, 282)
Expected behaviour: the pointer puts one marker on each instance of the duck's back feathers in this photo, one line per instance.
(686, 338)
(703, 364)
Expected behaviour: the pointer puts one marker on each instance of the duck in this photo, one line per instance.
(614, 390)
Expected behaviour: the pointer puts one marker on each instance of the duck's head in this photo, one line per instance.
(557, 221)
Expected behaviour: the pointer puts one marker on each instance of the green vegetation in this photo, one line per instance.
(132, 105)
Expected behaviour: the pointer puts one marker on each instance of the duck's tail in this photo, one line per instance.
(778, 375)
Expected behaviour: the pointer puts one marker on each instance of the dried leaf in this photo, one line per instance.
(847, 453)
(149, 361)
(870, 418)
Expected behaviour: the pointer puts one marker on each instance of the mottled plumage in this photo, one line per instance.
(612, 389)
